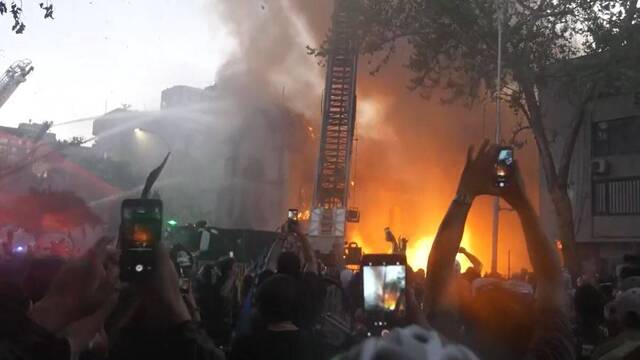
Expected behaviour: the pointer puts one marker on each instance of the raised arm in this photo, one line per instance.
(444, 250)
(475, 180)
(542, 253)
(309, 256)
(477, 264)
(271, 258)
(552, 335)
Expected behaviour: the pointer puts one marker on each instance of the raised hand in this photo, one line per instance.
(162, 289)
(295, 228)
(478, 176)
(515, 193)
(81, 287)
(82, 332)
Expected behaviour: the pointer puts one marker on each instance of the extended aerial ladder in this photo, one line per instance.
(15, 75)
(330, 201)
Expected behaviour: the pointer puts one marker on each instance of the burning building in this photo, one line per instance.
(408, 152)
(234, 162)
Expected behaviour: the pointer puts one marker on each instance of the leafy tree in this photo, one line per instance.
(15, 9)
(581, 49)
(77, 141)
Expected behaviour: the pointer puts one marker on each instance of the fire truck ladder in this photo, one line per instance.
(338, 122)
(15, 75)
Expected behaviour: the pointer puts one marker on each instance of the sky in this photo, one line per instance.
(100, 54)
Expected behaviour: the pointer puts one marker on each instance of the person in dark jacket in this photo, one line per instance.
(278, 337)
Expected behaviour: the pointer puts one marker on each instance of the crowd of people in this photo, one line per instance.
(289, 306)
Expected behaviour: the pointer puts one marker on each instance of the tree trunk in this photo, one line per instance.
(566, 232)
(556, 183)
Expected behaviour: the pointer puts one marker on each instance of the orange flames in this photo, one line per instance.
(405, 172)
(304, 215)
(418, 249)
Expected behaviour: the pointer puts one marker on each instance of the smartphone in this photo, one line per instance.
(504, 166)
(140, 235)
(292, 218)
(384, 291)
(293, 214)
(185, 285)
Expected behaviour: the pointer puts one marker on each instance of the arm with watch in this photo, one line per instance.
(476, 179)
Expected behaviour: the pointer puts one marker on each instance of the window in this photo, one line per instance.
(616, 137)
(616, 197)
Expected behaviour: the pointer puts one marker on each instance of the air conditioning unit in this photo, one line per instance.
(600, 167)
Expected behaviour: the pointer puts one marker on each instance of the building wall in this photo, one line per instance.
(606, 204)
(265, 170)
(17, 143)
(180, 95)
(49, 166)
(236, 166)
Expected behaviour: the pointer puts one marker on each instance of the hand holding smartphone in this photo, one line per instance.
(504, 167)
(140, 235)
(292, 218)
(384, 291)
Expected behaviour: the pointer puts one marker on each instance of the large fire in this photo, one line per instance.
(417, 250)
(405, 173)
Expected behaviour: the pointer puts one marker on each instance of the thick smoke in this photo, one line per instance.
(271, 37)
(410, 155)
(409, 152)
(243, 158)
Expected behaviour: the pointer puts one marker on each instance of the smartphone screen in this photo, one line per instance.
(293, 214)
(504, 166)
(384, 288)
(142, 225)
(141, 233)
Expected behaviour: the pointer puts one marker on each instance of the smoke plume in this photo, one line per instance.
(409, 152)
